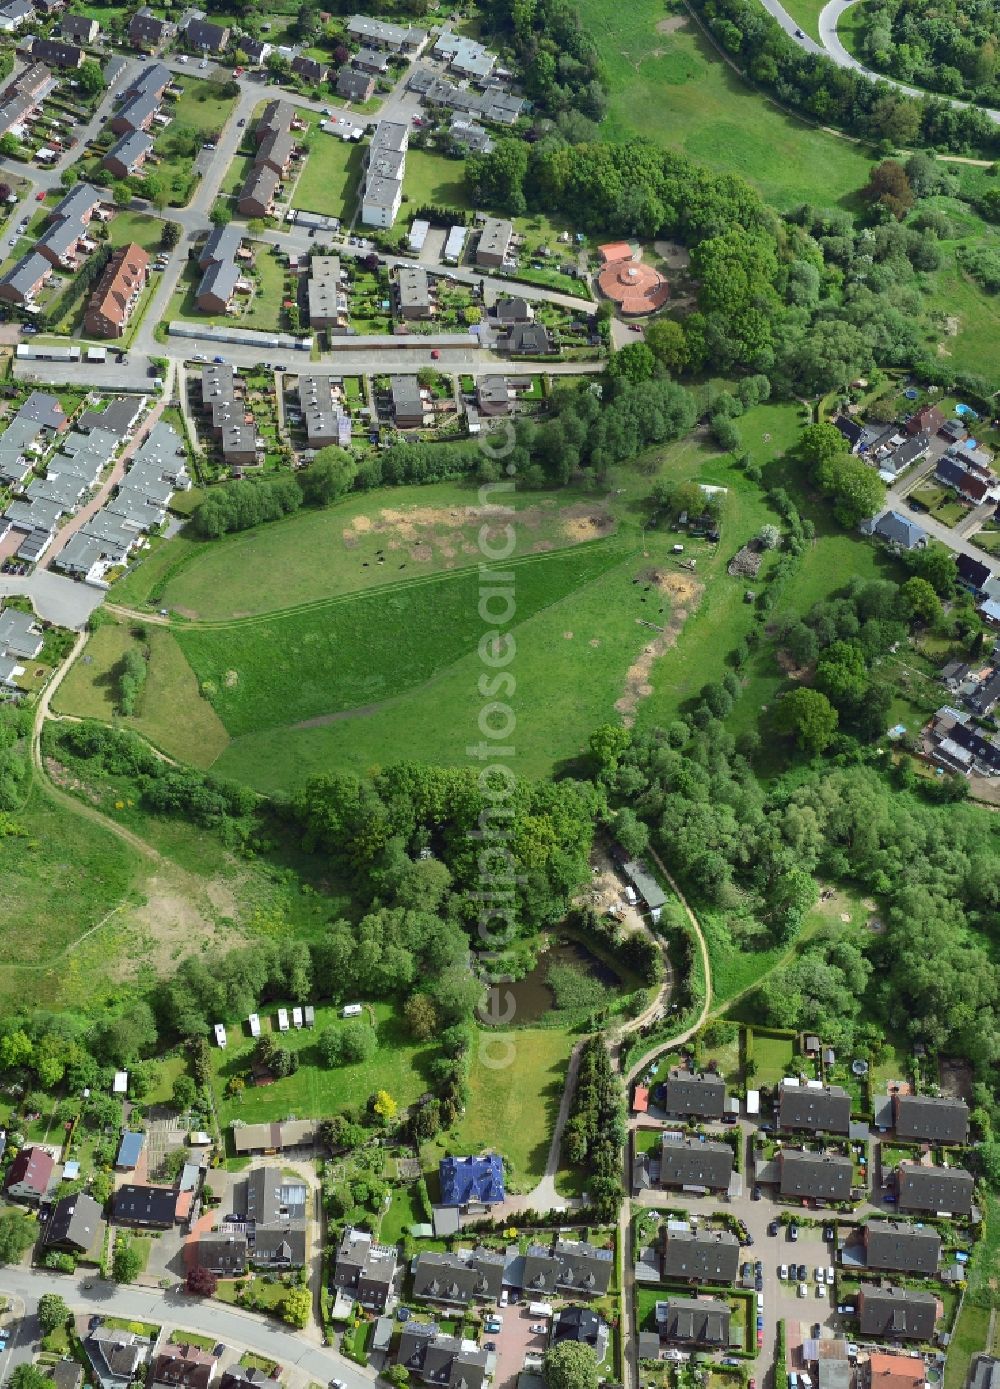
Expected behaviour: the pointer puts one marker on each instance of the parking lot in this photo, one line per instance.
(514, 1341)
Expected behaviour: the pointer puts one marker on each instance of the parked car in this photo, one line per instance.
(828, 1233)
(821, 1290)
(830, 1275)
(760, 1323)
(803, 1290)
(537, 1328)
(760, 1340)
(758, 1266)
(489, 1345)
(435, 355)
(772, 1229)
(745, 1271)
(783, 1271)
(803, 1273)
(793, 1233)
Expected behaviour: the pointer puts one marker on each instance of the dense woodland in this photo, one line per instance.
(950, 46)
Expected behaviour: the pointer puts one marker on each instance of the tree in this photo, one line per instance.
(17, 1233)
(571, 1365)
(841, 673)
(69, 176)
(666, 340)
(28, 1377)
(421, 1017)
(122, 194)
(52, 1312)
(9, 146)
(397, 1375)
(170, 236)
(889, 187)
(360, 1044)
(90, 78)
(328, 476)
(15, 1049)
(769, 536)
(184, 1093)
(126, 1264)
(296, 1306)
(808, 715)
(634, 363)
(221, 215)
(331, 1046)
(936, 565)
(921, 601)
(384, 1105)
(202, 1282)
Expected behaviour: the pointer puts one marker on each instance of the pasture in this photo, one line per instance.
(669, 84)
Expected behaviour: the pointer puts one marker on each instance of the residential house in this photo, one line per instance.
(701, 1256)
(232, 424)
(309, 69)
(375, 33)
(899, 531)
(147, 32)
(326, 295)
(571, 1266)
(276, 151)
(57, 53)
(221, 244)
(900, 1247)
(981, 701)
(972, 574)
(927, 420)
(894, 1372)
(271, 1209)
(459, 1278)
(256, 50)
(582, 1325)
(929, 1118)
(699, 1094)
(75, 1225)
(413, 293)
(224, 1253)
(908, 453)
(818, 1108)
(257, 196)
(273, 1138)
(383, 187)
(372, 61)
(447, 1361)
(181, 1366)
(324, 416)
(217, 287)
(896, 1313)
(116, 1356)
(693, 1165)
(152, 1206)
(355, 86)
(934, 1189)
(694, 1321)
(510, 310)
(851, 430)
(137, 112)
(968, 484)
(366, 1270)
(465, 56)
(23, 281)
(14, 14)
(470, 135)
(408, 413)
(19, 636)
(67, 1374)
(471, 1182)
(494, 396)
(527, 340)
(495, 241)
(79, 28)
(277, 118)
(961, 748)
(984, 1373)
(80, 205)
(816, 1176)
(30, 1175)
(204, 37)
(127, 155)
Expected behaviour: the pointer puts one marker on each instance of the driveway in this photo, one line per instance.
(513, 1342)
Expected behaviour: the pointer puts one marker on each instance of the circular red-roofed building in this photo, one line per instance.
(637, 289)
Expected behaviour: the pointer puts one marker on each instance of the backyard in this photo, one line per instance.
(331, 177)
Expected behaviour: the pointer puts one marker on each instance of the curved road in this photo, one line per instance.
(830, 45)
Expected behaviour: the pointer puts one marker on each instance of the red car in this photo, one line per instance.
(435, 355)
(40, 196)
(760, 1340)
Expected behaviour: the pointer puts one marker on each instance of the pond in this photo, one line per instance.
(533, 995)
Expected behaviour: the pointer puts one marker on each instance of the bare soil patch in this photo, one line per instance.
(955, 1077)
(671, 25)
(428, 528)
(63, 777)
(685, 593)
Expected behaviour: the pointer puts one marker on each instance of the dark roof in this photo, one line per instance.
(528, 339)
(934, 1188)
(711, 1256)
(202, 33)
(985, 1372)
(927, 417)
(982, 701)
(938, 1119)
(899, 530)
(699, 1321)
(578, 1324)
(891, 1244)
(897, 1312)
(280, 1244)
(67, 1374)
(697, 1092)
(145, 1205)
(951, 472)
(440, 1359)
(223, 1253)
(689, 1162)
(850, 429)
(458, 1277)
(75, 1220)
(573, 1265)
(824, 1175)
(821, 1108)
(32, 1168)
(184, 1365)
(471, 1179)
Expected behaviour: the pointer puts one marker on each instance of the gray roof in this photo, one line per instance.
(18, 635)
(118, 417)
(570, 1265)
(897, 1313)
(202, 33)
(267, 1196)
(934, 1189)
(825, 1108)
(353, 86)
(221, 244)
(220, 280)
(406, 398)
(688, 1162)
(75, 1220)
(130, 150)
(23, 276)
(697, 1321)
(439, 1359)
(43, 409)
(710, 1256)
(280, 1245)
(985, 1372)
(824, 1175)
(892, 1244)
(699, 1093)
(495, 238)
(414, 287)
(223, 1252)
(645, 884)
(458, 1277)
(261, 185)
(941, 1120)
(899, 530)
(115, 1355)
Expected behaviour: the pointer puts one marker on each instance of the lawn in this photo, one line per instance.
(941, 502)
(200, 106)
(806, 15)
(66, 875)
(433, 179)
(260, 310)
(773, 1056)
(968, 1339)
(674, 88)
(348, 653)
(515, 1083)
(316, 555)
(332, 177)
(139, 227)
(171, 712)
(404, 1212)
(316, 1090)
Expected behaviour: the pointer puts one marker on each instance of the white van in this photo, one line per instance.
(539, 1309)
(351, 1010)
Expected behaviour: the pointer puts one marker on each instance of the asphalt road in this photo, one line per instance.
(56, 599)
(208, 1318)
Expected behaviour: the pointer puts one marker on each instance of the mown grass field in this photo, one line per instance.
(515, 1082)
(315, 555)
(359, 650)
(806, 15)
(171, 712)
(332, 177)
(669, 84)
(434, 179)
(316, 1090)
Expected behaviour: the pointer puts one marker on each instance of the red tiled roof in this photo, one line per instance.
(635, 288)
(615, 250)
(640, 1103)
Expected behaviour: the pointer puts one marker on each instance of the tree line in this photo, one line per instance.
(952, 50)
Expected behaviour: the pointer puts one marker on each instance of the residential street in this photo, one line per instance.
(88, 1295)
